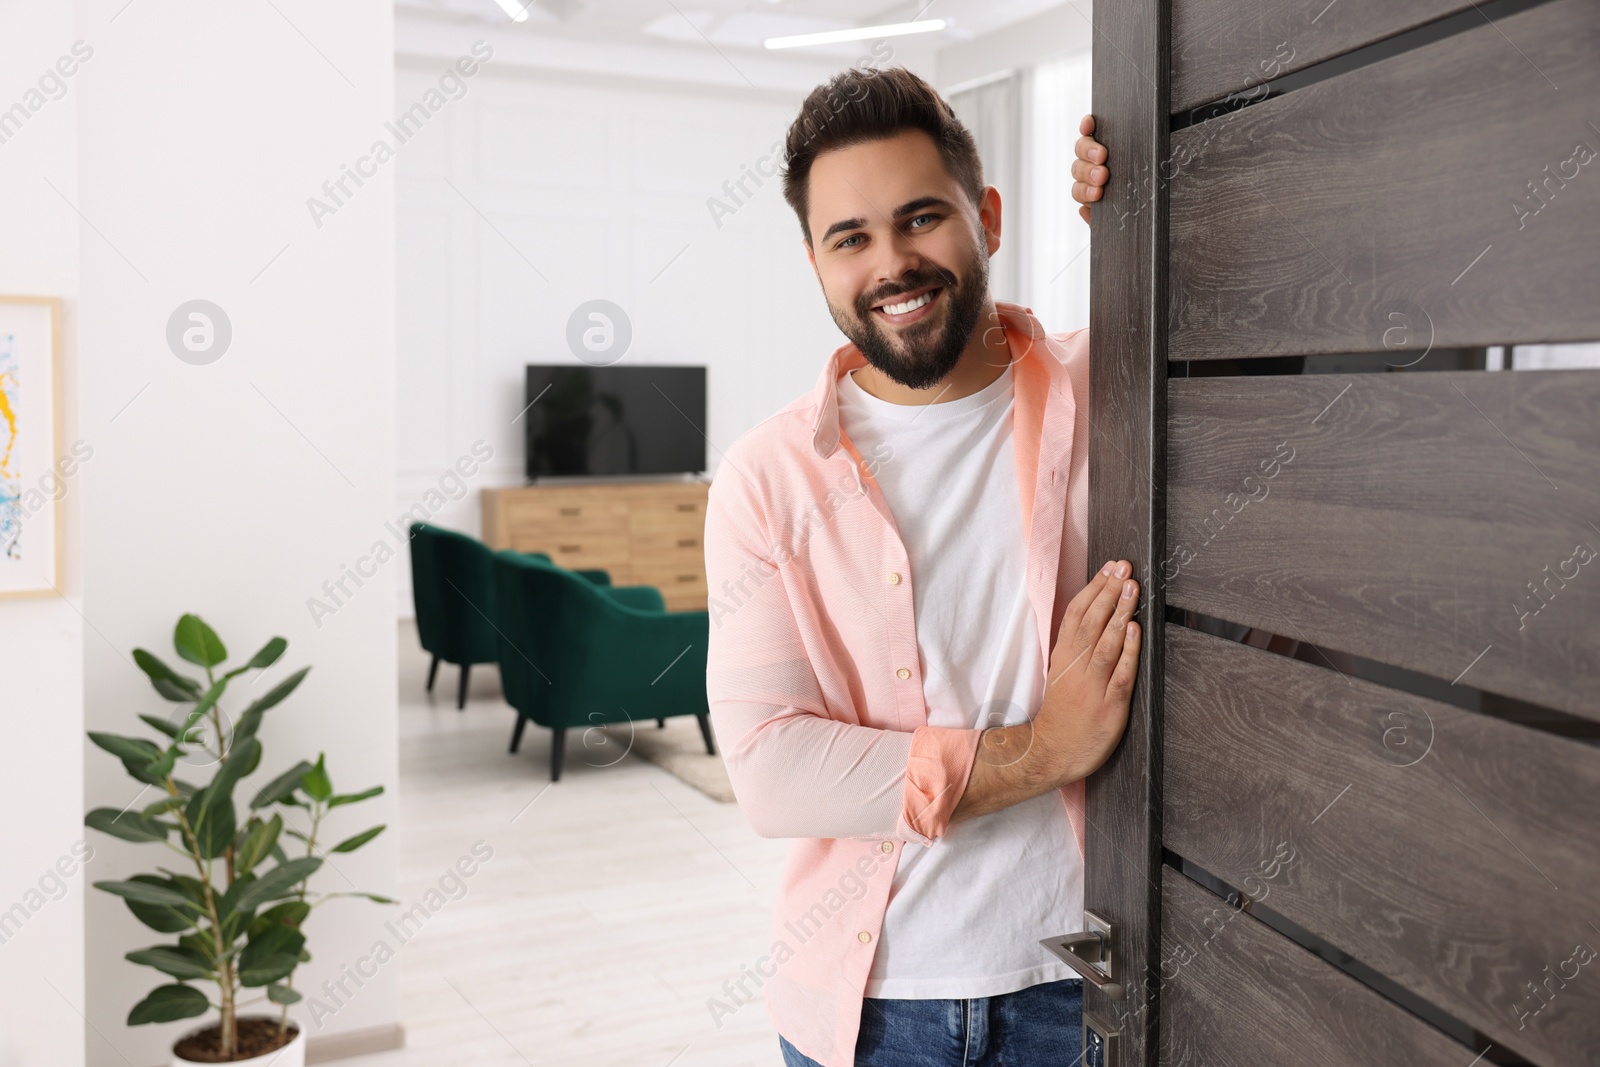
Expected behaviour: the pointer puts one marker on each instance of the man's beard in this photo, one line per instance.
(922, 354)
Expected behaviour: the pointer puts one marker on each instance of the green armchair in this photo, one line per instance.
(452, 588)
(576, 654)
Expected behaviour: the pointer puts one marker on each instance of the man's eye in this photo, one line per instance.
(922, 217)
(846, 242)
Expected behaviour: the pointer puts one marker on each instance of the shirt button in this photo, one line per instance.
(894, 578)
(903, 673)
(863, 937)
(887, 846)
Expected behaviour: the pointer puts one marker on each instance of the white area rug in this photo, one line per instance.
(678, 749)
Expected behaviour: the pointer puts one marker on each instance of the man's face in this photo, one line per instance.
(892, 229)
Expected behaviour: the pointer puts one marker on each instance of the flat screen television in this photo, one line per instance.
(638, 419)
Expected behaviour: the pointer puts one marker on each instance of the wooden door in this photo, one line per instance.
(1376, 839)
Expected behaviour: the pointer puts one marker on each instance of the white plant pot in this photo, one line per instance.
(291, 1055)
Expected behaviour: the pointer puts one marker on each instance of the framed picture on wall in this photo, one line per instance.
(33, 468)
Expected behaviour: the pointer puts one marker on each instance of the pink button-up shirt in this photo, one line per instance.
(813, 673)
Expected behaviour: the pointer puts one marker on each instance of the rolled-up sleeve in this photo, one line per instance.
(795, 770)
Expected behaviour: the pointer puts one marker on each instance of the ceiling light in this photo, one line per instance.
(863, 33)
(516, 9)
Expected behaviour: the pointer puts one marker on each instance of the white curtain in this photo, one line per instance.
(1546, 357)
(1055, 242)
(992, 112)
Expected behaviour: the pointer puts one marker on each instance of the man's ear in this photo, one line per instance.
(989, 215)
(811, 255)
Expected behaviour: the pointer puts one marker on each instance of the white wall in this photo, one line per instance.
(41, 684)
(535, 192)
(1055, 32)
(235, 489)
(547, 184)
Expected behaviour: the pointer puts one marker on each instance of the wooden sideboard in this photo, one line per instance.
(643, 533)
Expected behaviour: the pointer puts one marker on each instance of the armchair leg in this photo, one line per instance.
(516, 731)
(461, 697)
(661, 724)
(433, 671)
(705, 732)
(558, 744)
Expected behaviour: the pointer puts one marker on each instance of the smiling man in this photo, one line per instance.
(907, 672)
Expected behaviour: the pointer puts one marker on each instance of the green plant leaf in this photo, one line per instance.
(154, 891)
(242, 759)
(157, 723)
(202, 944)
(290, 913)
(374, 897)
(267, 970)
(128, 825)
(162, 918)
(197, 642)
(352, 798)
(137, 754)
(282, 994)
(315, 781)
(254, 761)
(280, 881)
(210, 811)
(164, 805)
(258, 842)
(266, 657)
(177, 961)
(211, 820)
(174, 692)
(273, 940)
(250, 721)
(192, 887)
(281, 787)
(192, 732)
(350, 844)
(157, 772)
(168, 682)
(135, 749)
(169, 1003)
(234, 926)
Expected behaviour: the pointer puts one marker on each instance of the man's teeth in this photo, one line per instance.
(909, 305)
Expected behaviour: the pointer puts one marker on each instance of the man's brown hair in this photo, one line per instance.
(862, 105)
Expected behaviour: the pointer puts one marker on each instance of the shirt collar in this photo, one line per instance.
(1023, 332)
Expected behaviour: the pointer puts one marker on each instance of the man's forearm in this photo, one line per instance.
(1010, 768)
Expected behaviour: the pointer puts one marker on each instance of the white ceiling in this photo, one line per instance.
(736, 25)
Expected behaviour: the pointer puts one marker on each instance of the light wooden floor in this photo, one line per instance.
(617, 900)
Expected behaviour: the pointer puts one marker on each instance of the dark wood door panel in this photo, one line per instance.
(1447, 196)
(1127, 359)
(1454, 853)
(1447, 523)
(1234, 993)
(1222, 46)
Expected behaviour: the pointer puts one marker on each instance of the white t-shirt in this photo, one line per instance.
(966, 914)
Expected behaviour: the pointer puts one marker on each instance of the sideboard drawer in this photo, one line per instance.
(559, 514)
(641, 533)
(580, 552)
(678, 515)
(683, 580)
(669, 547)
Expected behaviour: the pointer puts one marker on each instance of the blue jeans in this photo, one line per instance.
(1040, 1026)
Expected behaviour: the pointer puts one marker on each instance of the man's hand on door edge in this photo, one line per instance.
(1089, 171)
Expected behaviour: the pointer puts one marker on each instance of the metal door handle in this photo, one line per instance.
(1091, 953)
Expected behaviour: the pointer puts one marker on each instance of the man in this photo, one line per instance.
(906, 672)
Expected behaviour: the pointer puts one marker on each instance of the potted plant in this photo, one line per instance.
(240, 898)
